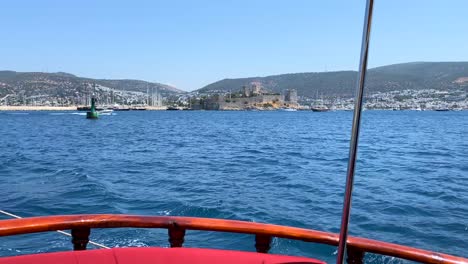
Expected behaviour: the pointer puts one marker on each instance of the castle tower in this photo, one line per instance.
(256, 88)
(291, 96)
(245, 91)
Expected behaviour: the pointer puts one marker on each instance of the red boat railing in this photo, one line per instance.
(81, 225)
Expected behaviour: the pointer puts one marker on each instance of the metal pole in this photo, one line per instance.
(355, 132)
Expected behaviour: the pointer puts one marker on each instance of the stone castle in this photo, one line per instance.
(252, 97)
(255, 97)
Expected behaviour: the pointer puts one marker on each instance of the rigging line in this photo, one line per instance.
(59, 231)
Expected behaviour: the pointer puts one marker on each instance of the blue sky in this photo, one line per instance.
(190, 44)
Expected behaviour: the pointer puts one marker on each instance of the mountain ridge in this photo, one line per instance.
(66, 83)
(400, 76)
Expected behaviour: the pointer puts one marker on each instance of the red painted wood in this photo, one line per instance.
(80, 237)
(354, 255)
(262, 243)
(52, 223)
(152, 255)
(176, 236)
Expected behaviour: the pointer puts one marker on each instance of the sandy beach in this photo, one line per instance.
(59, 108)
(36, 108)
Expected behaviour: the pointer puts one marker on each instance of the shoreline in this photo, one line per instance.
(36, 108)
(57, 108)
(11, 108)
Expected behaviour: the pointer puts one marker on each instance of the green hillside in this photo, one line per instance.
(62, 84)
(415, 75)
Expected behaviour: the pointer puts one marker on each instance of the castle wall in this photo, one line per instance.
(250, 102)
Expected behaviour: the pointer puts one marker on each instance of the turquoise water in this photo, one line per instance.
(284, 168)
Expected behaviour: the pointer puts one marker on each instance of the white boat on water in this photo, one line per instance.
(288, 109)
(320, 109)
(106, 112)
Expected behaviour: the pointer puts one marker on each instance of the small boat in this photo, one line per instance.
(288, 109)
(319, 109)
(172, 108)
(117, 107)
(88, 108)
(106, 112)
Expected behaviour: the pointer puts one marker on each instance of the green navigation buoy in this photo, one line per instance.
(92, 114)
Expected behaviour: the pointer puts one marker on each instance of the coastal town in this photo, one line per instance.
(51, 91)
(248, 97)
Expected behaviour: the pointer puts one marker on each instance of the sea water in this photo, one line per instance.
(286, 168)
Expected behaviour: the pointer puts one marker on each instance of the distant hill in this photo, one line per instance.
(414, 75)
(62, 84)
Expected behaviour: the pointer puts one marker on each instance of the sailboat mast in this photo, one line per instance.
(355, 132)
